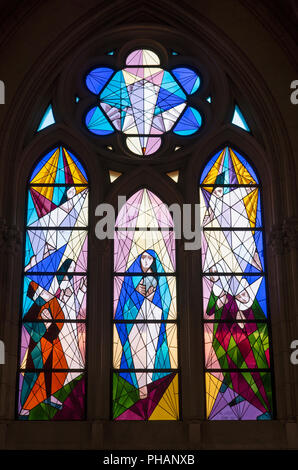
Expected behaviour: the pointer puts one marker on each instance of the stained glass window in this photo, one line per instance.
(143, 101)
(239, 120)
(145, 355)
(235, 314)
(53, 325)
(47, 119)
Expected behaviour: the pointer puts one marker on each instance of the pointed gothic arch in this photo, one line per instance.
(238, 355)
(52, 351)
(271, 146)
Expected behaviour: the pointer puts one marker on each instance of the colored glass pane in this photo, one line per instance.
(161, 403)
(238, 396)
(238, 119)
(97, 122)
(143, 101)
(129, 306)
(53, 336)
(189, 123)
(47, 119)
(188, 78)
(145, 361)
(236, 328)
(97, 79)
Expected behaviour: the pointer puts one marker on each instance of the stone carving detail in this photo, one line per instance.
(290, 230)
(276, 240)
(10, 237)
(284, 237)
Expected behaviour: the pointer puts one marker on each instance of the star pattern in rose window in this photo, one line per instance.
(143, 101)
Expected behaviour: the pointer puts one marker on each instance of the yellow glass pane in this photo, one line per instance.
(168, 406)
(213, 385)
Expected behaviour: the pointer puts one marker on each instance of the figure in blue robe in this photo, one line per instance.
(144, 296)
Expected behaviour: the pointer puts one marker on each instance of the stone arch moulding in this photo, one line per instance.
(145, 177)
(254, 153)
(198, 28)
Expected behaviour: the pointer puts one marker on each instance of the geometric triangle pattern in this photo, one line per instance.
(114, 175)
(232, 207)
(143, 210)
(189, 123)
(47, 119)
(247, 293)
(236, 331)
(236, 346)
(52, 250)
(238, 396)
(187, 78)
(59, 166)
(57, 206)
(174, 175)
(53, 333)
(161, 402)
(144, 223)
(69, 290)
(233, 251)
(145, 344)
(52, 346)
(127, 251)
(238, 119)
(228, 167)
(143, 101)
(66, 402)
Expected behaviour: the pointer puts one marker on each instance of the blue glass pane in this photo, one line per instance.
(116, 94)
(188, 79)
(238, 119)
(97, 122)
(247, 166)
(47, 120)
(97, 79)
(190, 122)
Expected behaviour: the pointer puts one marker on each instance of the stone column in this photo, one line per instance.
(10, 281)
(290, 232)
(283, 296)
